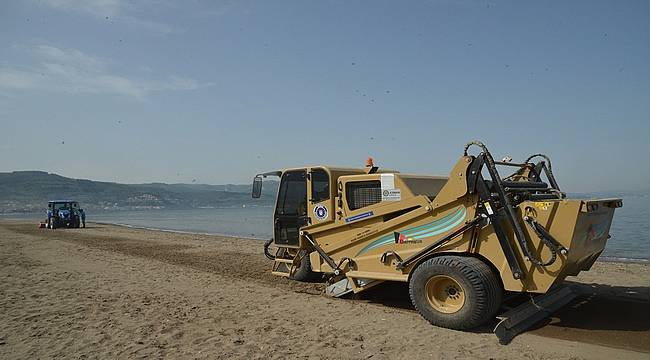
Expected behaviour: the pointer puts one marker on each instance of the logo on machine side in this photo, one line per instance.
(418, 233)
(320, 211)
(402, 239)
(596, 231)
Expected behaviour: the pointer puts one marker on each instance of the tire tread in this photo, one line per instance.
(485, 293)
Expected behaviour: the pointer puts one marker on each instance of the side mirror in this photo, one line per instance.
(257, 187)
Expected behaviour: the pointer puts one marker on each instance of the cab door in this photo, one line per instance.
(320, 195)
(290, 208)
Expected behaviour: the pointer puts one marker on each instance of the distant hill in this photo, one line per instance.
(25, 191)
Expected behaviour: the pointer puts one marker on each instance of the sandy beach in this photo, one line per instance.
(114, 292)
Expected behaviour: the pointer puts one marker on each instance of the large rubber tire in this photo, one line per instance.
(304, 271)
(437, 285)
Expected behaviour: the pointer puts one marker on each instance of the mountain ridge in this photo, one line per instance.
(29, 190)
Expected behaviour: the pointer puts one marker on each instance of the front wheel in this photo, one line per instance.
(304, 272)
(455, 292)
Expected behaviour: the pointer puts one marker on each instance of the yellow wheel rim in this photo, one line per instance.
(445, 294)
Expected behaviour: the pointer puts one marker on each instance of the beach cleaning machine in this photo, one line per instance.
(462, 242)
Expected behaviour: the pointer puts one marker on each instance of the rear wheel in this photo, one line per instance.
(455, 292)
(304, 272)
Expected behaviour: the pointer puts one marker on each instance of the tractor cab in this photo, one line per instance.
(317, 196)
(306, 196)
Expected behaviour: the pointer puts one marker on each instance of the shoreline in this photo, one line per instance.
(608, 259)
(605, 259)
(173, 231)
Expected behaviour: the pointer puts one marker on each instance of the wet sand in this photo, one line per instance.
(114, 292)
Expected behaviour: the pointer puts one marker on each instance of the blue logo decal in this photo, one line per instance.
(320, 211)
(359, 217)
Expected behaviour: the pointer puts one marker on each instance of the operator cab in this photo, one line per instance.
(310, 197)
(305, 197)
(56, 205)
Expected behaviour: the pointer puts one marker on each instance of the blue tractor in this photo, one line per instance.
(64, 213)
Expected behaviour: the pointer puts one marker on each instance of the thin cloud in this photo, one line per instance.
(147, 24)
(6, 148)
(72, 71)
(99, 8)
(113, 10)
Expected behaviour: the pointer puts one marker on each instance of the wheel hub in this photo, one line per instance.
(445, 294)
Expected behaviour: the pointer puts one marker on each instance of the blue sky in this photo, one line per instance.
(143, 91)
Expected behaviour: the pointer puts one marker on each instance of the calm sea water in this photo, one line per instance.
(251, 222)
(630, 229)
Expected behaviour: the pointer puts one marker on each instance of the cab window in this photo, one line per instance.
(320, 185)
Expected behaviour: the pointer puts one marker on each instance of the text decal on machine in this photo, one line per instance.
(358, 217)
(388, 191)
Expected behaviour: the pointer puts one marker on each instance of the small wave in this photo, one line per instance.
(623, 260)
(178, 231)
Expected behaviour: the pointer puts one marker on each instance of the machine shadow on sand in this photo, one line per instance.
(614, 316)
(605, 307)
(601, 307)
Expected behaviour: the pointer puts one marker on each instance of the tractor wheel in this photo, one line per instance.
(455, 292)
(304, 272)
(52, 224)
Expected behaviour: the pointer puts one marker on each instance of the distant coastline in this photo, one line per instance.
(253, 220)
(29, 191)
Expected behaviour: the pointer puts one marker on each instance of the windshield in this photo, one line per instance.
(292, 198)
(59, 206)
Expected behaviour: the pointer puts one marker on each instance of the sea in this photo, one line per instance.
(630, 230)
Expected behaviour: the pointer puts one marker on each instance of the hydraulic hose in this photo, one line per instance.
(266, 249)
(553, 245)
(550, 175)
(548, 161)
(507, 205)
